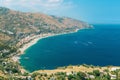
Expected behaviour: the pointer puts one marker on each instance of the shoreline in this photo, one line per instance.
(32, 42)
(35, 39)
(39, 37)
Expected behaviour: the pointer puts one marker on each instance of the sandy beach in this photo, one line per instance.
(33, 40)
(37, 38)
(25, 46)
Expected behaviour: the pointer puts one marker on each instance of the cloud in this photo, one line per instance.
(36, 5)
(55, 1)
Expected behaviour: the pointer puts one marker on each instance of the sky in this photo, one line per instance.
(91, 11)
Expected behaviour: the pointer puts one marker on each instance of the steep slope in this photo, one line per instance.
(14, 24)
(15, 29)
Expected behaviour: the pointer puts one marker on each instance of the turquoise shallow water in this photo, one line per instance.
(98, 46)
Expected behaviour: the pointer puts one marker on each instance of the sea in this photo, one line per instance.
(99, 46)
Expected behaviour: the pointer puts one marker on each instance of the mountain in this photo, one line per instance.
(15, 24)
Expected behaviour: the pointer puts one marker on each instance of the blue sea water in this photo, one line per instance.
(98, 46)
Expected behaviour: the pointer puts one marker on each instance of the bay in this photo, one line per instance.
(98, 46)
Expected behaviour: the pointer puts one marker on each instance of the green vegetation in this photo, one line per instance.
(7, 66)
(95, 75)
(15, 26)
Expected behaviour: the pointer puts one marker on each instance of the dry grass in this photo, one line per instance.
(75, 69)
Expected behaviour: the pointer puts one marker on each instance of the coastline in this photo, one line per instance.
(34, 40)
(39, 37)
(75, 68)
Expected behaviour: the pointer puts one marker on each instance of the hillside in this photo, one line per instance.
(15, 25)
(19, 28)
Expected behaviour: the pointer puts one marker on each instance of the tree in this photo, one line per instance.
(96, 72)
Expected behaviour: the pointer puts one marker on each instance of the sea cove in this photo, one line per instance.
(98, 46)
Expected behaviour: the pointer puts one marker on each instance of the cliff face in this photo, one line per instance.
(15, 23)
